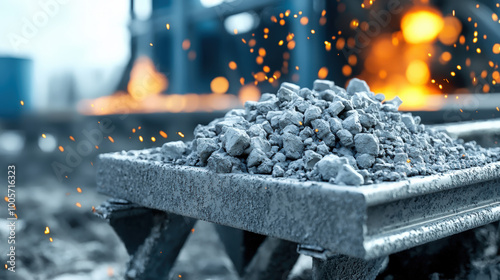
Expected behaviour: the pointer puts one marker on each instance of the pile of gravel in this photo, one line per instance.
(343, 136)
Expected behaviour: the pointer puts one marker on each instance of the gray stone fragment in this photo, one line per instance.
(312, 113)
(306, 93)
(409, 122)
(335, 108)
(290, 117)
(286, 94)
(348, 176)
(267, 106)
(321, 85)
(365, 160)
(256, 157)
(310, 159)
(322, 149)
(279, 157)
(327, 95)
(260, 143)
(345, 137)
(293, 87)
(173, 150)
(292, 146)
(395, 102)
(267, 127)
(293, 129)
(335, 124)
(278, 171)
(366, 144)
(229, 122)
(205, 147)
(352, 123)
(256, 130)
(220, 163)
(306, 133)
(321, 128)
(236, 141)
(329, 166)
(357, 85)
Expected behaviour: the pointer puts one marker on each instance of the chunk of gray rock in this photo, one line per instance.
(236, 141)
(173, 150)
(292, 146)
(321, 128)
(335, 108)
(352, 123)
(205, 147)
(220, 163)
(365, 160)
(312, 113)
(329, 166)
(348, 176)
(366, 143)
(345, 137)
(357, 85)
(256, 157)
(321, 85)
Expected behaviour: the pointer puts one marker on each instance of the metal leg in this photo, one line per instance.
(240, 245)
(274, 259)
(344, 267)
(152, 238)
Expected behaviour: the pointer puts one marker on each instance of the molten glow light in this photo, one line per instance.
(421, 26)
(451, 30)
(145, 80)
(323, 73)
(219, 85)
(417, 72)
(249, 93)
(496, 48)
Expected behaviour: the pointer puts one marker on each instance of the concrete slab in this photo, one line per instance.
(364, 222)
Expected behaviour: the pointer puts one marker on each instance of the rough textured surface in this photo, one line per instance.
(376, 141)
(359, 222)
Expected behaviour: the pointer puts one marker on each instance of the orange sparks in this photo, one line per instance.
(61, 148)
(168, 26)
(139, 128)
(78, 205)
(304, 20)
(498, 109)
(232, 65)
(93, 209)
(280, 43)
(96, 147)
(79, 190)
(111, 139)
(192, 230)
(186, 44)
(180, 134)
(151, 44)
(5, 266)
(22, 103)
(47, 230)
(153, 139)
(51, 240)
(163, 134)
(133, 130)
(140, 138)
(44, 136)
(7, 199)
(72, 138)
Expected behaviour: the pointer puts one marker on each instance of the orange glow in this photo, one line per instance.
(22, 103)
(186, 44)
(111, 139)
(145, 80)
(262, 52)
(421, 26)
(180, 134)
(47, 230)
(259, 60)
(249, 93)
(72, 138)
(346, 70)
(451, 30)
(323, 73)
(153, 139)
(163, 134)
(291, 45)
(417, 72)
(141, 138)
(219, 85)
(44, 136)
(445, 57)
(61, 148)
(78, 205)
(266, 69)
(232, 65)
(304, 20)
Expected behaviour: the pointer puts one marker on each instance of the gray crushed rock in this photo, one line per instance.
(347, 137)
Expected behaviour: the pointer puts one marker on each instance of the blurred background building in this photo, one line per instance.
(79, 78)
